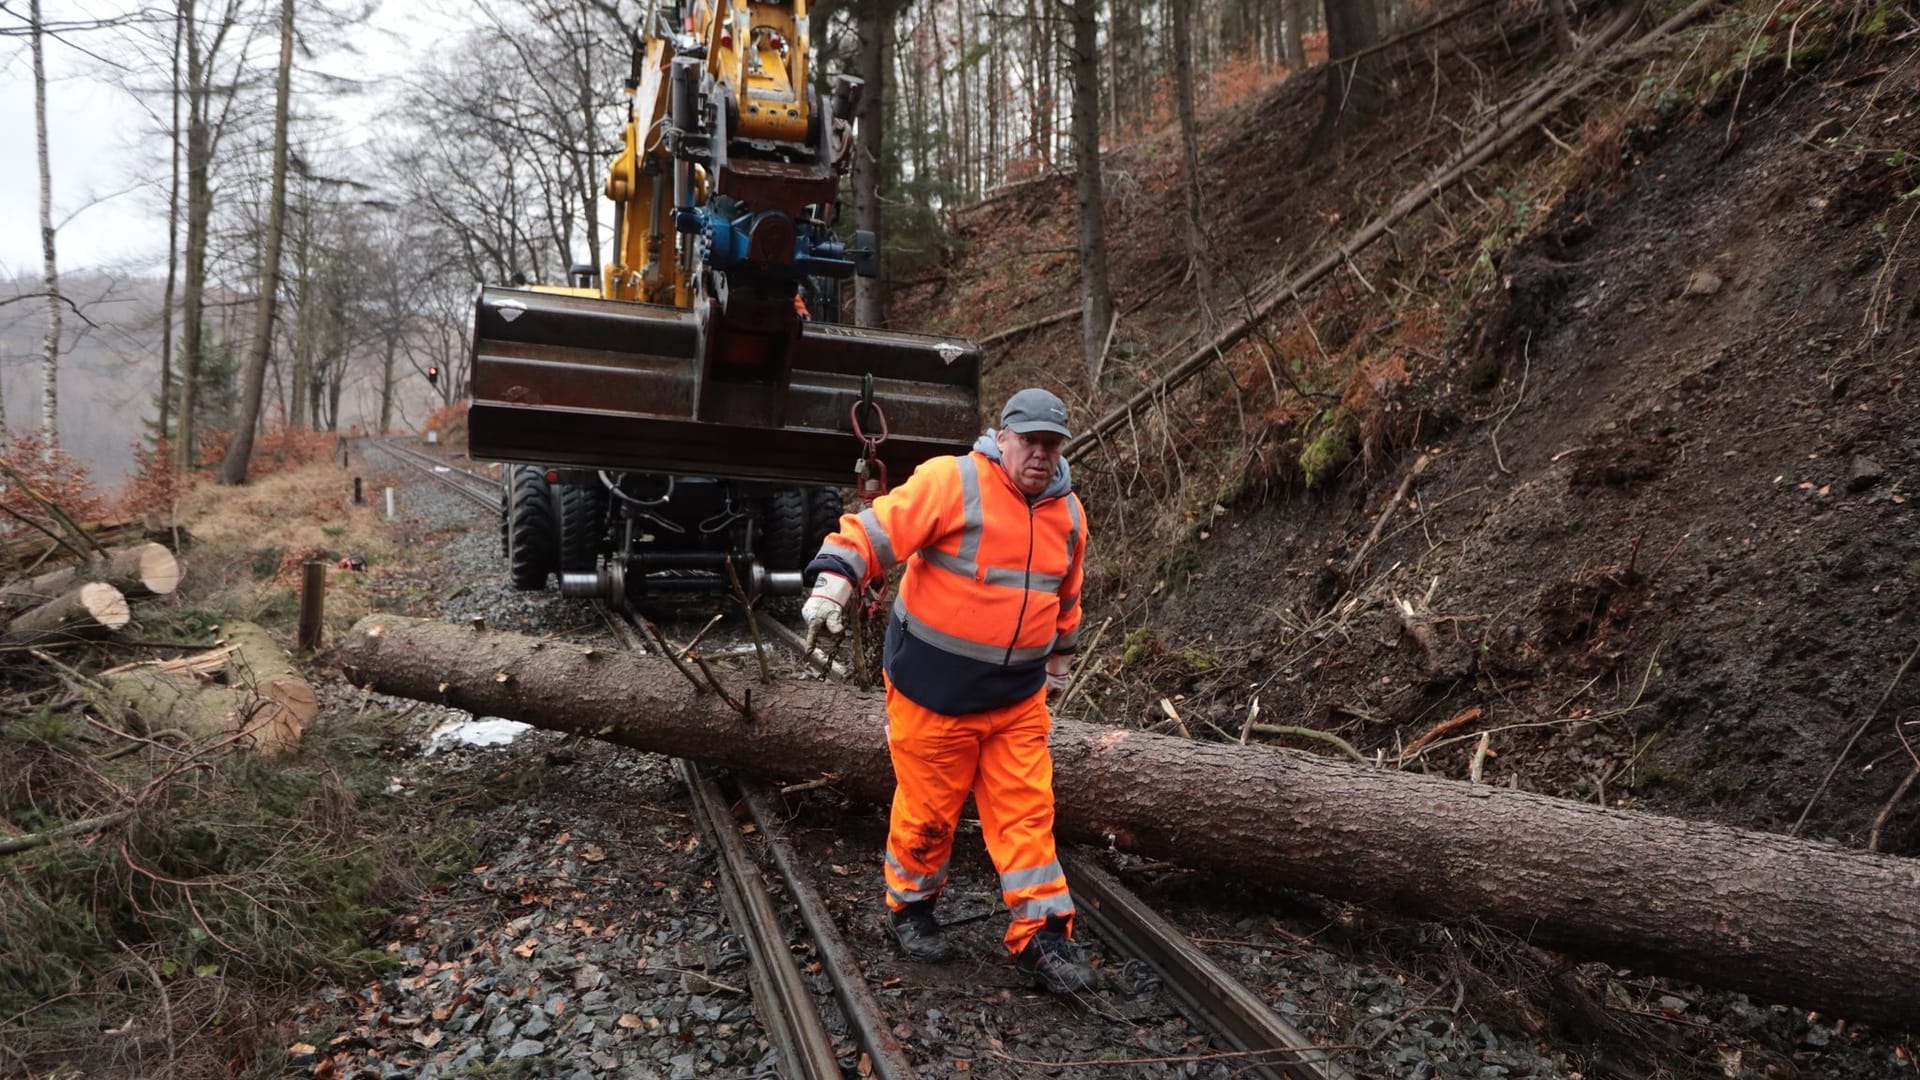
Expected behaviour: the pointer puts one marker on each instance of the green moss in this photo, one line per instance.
(1198, 659)
(1331, 439)
(1649, 778)
(1175, 565)
(1880, 19)
(1140, 645)
(1483, 370)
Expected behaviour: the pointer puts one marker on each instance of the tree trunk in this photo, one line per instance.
(164, 439)
(1040, 56)
(1197, 253)
(91, 610)
(304, 297)
(386, 384)
(199, 211)
(1293, 50)
(143, 570)
(1096, 297)
(336, 380)
(240, 451)
(1353, 86)
(246, 686)
(1562, 25)
(1783, 919)
(873, 24)
(50, 350)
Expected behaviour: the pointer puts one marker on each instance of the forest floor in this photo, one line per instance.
(1619, 509)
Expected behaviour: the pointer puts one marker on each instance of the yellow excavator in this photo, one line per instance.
(684, 417)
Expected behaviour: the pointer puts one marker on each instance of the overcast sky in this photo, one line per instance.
(102, 143)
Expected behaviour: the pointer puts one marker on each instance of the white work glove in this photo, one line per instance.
(1057, 667)
(825, 609)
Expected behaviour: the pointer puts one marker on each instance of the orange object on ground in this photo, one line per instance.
(1001, 756)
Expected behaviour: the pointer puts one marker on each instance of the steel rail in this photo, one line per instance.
(789, 1013)
(446, 474)
(857, 1003)
(792, 639)
(783, 1000)
(1205, 991)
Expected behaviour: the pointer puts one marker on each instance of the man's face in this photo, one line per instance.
(1029, 459)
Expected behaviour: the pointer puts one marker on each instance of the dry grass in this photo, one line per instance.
(250, 541)
(307, 506)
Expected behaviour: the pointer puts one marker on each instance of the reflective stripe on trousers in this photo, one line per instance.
(1000, 756)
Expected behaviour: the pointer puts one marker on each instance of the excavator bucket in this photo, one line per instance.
(760, 394)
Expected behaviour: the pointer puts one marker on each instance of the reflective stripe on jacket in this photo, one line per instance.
(992, 586)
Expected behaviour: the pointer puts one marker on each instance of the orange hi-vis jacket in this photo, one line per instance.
(992, 586)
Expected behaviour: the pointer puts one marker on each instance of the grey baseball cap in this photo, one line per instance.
(1034, 409)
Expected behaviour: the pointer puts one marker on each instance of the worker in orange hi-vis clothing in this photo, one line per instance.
(985, 625)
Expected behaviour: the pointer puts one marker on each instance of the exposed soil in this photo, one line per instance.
(1665, 543)
(1678, 530)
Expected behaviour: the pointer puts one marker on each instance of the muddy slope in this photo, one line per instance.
(1665, 553)
(1694, 484)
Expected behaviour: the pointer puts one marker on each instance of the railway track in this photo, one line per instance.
(1261, 1043)
(470, 485)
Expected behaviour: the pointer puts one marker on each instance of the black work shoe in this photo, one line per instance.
(1050, 963)
(918, 933)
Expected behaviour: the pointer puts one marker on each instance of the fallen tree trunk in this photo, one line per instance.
(1783, 919)
(91, 610)
(141, 570)
(246, 686)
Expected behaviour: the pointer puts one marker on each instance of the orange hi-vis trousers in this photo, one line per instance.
(1000, 756)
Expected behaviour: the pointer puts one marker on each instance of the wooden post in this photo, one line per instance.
(359, 499)
(313, 604)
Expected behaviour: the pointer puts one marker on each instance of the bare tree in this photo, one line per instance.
(233, 470)
(1562, 26)
(211, 80)
(1354, 89)
(165, 427)
(1096, 295)
(50, 355)
(873, 57)
(1197, 253)
(1293, 50)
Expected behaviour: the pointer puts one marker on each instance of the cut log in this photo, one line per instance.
(246, 685)
(31, 550)
(1785, 920)
(141, 570)
(94, 609)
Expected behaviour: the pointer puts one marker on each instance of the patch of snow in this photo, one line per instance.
(475, 731)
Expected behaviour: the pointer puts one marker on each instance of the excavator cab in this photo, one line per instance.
(705, 361)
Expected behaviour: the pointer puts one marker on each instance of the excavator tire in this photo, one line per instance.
(532, 537)
(583, 515)
(824, 507)
(783, 532)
